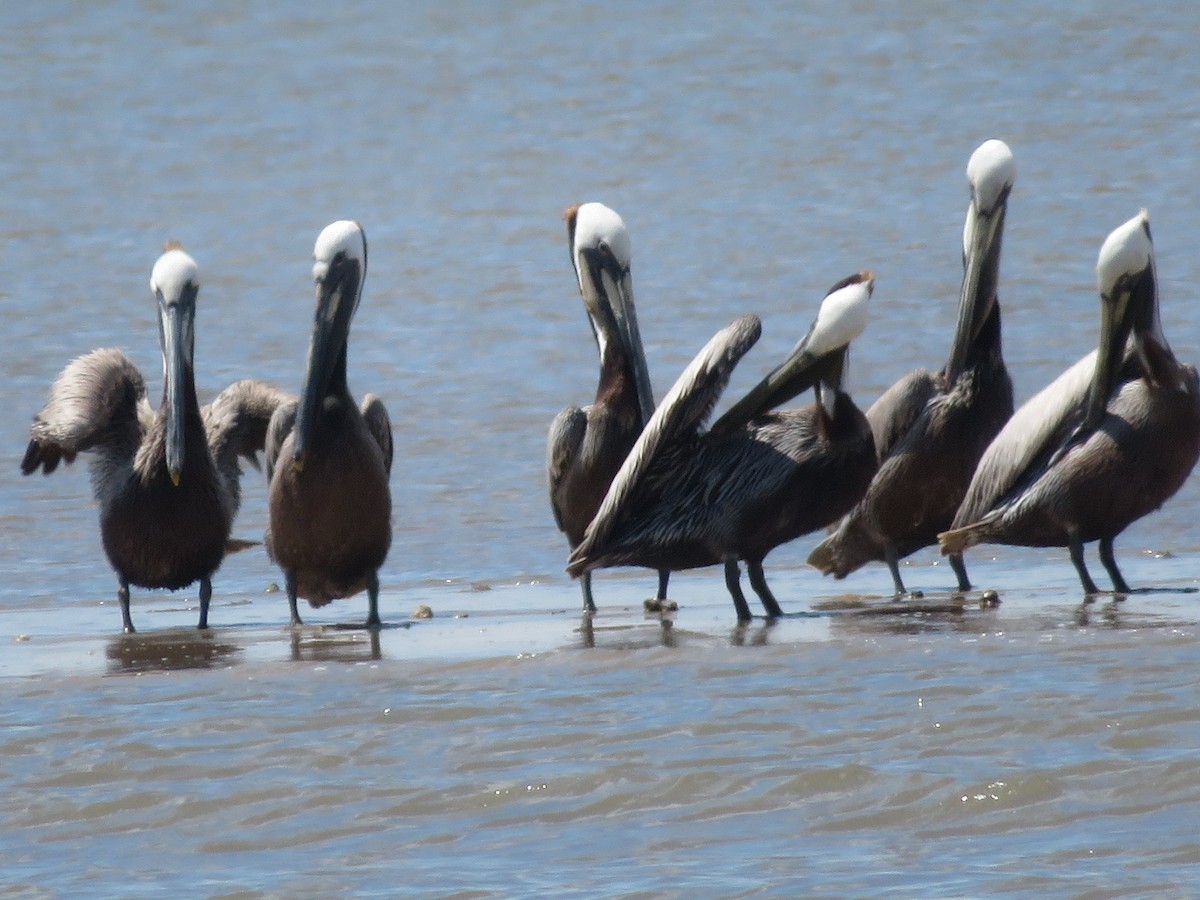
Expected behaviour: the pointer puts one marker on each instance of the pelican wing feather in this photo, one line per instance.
(684, 410)
(380, 425)
(278, 428)
(1034, 432)
(894, 414)
(98, 400)
(563, 444)
(236, 421)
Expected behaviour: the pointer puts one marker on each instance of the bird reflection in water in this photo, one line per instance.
(745, 636)
(629, 637)
(135, 654)
(1107, 615)
(336, 645)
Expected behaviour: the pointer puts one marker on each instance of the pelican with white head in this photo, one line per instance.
(339, 269)
(330, 502)
(818, 359)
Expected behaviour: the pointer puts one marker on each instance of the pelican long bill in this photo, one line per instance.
(336, 299)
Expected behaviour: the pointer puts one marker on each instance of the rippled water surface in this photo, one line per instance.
(506, 746)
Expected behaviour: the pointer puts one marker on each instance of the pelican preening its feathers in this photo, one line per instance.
(586, 446)
(329, 461)
(686, 497)
(931, 428)
(166, 480)
(1110, 440)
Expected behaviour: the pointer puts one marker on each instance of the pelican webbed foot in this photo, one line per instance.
(660, 605)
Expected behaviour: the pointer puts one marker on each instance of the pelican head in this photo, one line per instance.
(819, 357)
(175, 281)
(991, 174)
(339, 267)
(1128, 285)
(601, 255)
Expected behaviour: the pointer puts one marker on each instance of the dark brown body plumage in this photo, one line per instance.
(1089, 485)
(161, 535)
(930, 437)
(1139, 456)
(710, 498)
(331, 522)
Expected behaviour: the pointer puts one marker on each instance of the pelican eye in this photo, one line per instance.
(610, 258)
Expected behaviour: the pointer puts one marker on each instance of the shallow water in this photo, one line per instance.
(506, 746)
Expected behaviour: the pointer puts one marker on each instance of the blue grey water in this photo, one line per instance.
(758, 153)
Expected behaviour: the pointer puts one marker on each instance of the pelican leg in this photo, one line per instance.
(1110, 563)
(758, 581)
(585, 581)
(893, 563)
(960, 571)
(205, 596)
(123, 599)
(733, 581)
(664, 575)
(289, 580)
(1075, 546)
(373, 620)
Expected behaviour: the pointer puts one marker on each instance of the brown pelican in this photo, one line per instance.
(931, 428)
(587, 446)
(686, 498)
(1108, 441)
(166, 481)
(327, 460)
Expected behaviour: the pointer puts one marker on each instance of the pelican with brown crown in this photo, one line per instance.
(587, 445)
